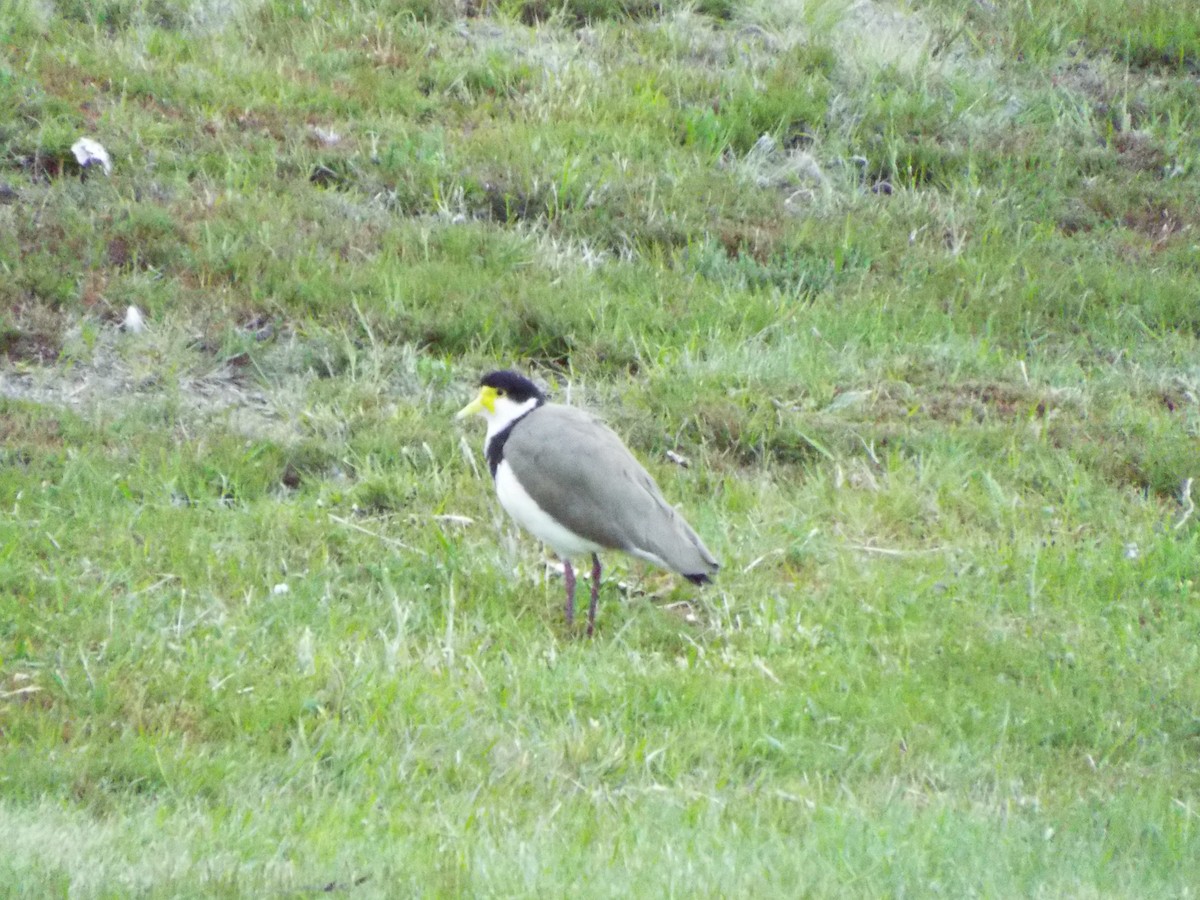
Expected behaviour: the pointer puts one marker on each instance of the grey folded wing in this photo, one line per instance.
(578, 470)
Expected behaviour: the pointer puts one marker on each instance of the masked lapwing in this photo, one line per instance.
(568, 480)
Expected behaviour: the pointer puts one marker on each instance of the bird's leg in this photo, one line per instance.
(595, 594)
(569, 578)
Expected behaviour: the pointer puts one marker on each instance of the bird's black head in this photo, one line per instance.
(512, 385)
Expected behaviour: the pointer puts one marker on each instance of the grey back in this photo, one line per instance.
(577, 469)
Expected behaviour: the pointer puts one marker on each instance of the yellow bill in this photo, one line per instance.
(486, 401)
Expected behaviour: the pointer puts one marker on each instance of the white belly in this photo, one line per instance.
(518, 504)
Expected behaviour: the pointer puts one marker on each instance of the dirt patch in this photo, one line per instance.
(30, 331)
(585, 12)
(23, 428)
(510, 204)
(739, 239)
(971, 402)
(1107, 92)
(1139, 152)
(104, 382)
(18, 345)
(1157, 222)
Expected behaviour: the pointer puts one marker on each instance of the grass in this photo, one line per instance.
(929, 346)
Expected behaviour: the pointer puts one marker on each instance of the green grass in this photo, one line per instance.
(930, 347)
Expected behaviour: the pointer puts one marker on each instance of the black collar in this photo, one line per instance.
(494, 451)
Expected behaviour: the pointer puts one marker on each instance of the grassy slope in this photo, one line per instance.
(933, 358)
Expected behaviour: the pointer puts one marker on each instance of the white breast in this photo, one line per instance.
(518, 504)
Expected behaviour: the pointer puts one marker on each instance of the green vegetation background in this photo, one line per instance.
(914, 288)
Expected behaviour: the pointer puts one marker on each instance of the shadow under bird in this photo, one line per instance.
(567, 478)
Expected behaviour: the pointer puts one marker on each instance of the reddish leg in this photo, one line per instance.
(569, 578)
(595, 594)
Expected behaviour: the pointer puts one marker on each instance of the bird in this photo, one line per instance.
(566, 478)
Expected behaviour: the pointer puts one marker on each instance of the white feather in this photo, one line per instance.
(134, 321)
(90, 153)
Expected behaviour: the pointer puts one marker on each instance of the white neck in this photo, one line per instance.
(506, 413)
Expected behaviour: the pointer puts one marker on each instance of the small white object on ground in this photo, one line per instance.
(679, 459)
(325, 136)
(92, 153)
(133, 322)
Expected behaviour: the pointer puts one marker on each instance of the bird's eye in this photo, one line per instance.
(501, 392)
